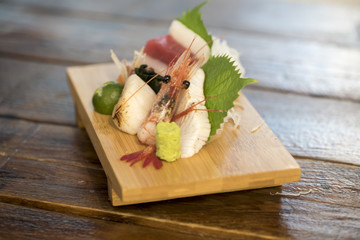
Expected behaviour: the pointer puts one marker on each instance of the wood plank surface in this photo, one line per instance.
(73, 155)
(261, 16)
(65, 188)
(305, 54)
(324, 75)
(36, 92)
(86, 186)
(312, 127)
(17, 222)
(13, 136)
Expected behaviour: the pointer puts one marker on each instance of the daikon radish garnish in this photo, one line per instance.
(132, 108)
(220, 48)
(122, 66)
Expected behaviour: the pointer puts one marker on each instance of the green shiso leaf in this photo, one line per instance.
(222, 82)
(192, 20)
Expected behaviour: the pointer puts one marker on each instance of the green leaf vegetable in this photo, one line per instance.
(222, 82)
(192, 20)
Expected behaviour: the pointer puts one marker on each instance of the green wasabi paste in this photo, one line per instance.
(168, 141)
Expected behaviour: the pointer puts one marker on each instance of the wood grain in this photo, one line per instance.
(312, 127)
(304, 66)
(37, 92)
(260, 16)
(87, 187)
(13, 136)
(31, 36)
(317, 173)
(61, 145)
(81, 191)
(17, 222)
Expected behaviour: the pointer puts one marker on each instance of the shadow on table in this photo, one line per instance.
(257, 211)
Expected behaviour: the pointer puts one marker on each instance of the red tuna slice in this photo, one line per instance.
(164, 49)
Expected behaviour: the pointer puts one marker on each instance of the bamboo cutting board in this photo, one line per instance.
(248, 157)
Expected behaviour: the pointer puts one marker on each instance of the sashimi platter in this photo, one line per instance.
(173, 122)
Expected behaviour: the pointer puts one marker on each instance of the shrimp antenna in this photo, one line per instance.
(182, 64)
(192, 108)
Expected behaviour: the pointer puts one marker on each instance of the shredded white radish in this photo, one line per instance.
(121, 66)
(220, 48)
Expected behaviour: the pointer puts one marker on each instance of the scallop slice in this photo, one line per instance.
(194, 126)
(132, 109)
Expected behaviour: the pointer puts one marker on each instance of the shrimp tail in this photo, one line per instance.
(148, 154)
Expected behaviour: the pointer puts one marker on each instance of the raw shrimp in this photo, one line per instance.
(164, 106)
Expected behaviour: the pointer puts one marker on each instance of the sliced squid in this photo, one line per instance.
(132, 109)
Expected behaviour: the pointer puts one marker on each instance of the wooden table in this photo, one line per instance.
(306, 56)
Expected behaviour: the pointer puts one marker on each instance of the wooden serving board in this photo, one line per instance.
(248, 157)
